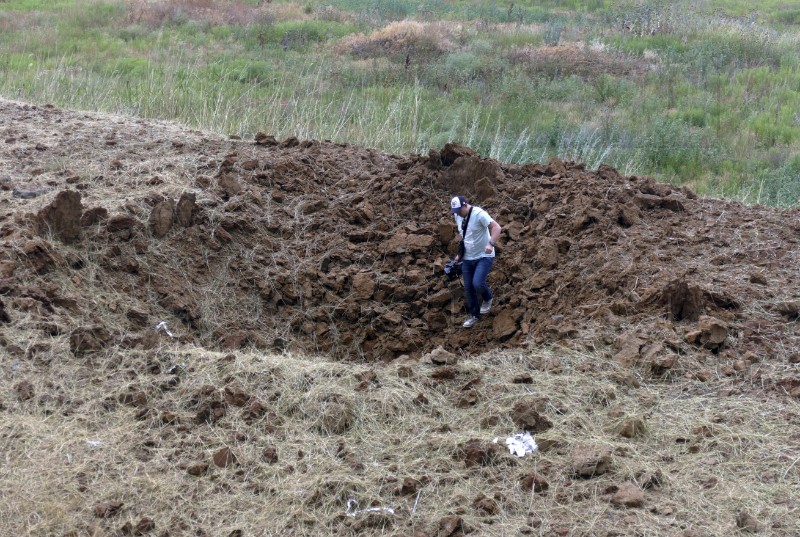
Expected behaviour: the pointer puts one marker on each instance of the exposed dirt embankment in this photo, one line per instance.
(110, 225)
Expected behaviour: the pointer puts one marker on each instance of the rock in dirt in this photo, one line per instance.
(4, 317)
(525, 416)
(197, 469)
(628, 495)
(789, 309)
(333, 417)
(747, 523)
(145, 525)
(40, 255)
(7, 269)
(450, 526)
(229, 186)
(591, 460)
(630, 346)
(89, 339)
(269, 455)
(485, 505)
(62, 217)
(265, 139)
(661, 364)
(505, 324)
(94, 216)
(439, 356)
(473, 177)
(453, 151)
(236, 396)
(224, 458)
(534, 482)
(631, 427)
(161, 216)
(477, 453)
(107, 509)
(713, 332)
(685, 302)
(24, 390)
(408, 487)
(185, 209)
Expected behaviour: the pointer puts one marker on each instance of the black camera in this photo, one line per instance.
(452, 270)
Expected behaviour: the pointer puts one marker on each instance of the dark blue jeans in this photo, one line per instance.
(475, 289)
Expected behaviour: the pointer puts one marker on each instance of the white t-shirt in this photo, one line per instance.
(477, 236)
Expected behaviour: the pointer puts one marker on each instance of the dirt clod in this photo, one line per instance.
(628, 495)
(525, 415)
(24, 390)
(590, 460)
(224, 458)
(107, 509)
(747, 523)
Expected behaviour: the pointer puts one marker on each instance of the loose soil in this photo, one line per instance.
(121, 235)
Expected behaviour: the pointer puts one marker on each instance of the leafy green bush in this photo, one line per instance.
(671, 146)
(770, 131)
(133, 32)
(788, 16)
(693, 116)
(129, 67)
(240, 70)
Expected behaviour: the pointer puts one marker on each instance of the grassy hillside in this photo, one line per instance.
(698, 94)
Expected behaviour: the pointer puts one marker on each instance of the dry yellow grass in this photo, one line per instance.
(577, 58)
(79, 441)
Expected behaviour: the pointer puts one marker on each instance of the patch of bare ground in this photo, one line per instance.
(231, 337)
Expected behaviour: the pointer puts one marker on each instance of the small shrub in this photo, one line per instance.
(552, 33)
(572, 59)
(674, 147)
(130, 67)
(693, 116)
(398, 39)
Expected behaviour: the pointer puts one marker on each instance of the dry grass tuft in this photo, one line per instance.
(578, 59)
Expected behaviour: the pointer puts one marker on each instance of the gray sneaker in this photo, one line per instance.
(470, 322)
(486, 307)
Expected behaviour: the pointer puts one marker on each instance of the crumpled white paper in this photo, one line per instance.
(353, 511)
(520, 444)
(163, 326)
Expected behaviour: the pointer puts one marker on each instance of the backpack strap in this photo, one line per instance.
(465, 223)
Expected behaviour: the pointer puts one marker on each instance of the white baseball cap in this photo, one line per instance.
(456, 203)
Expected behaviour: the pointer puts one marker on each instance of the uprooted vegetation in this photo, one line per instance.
(230, 324)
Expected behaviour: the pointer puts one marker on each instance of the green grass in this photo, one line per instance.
(703, 97)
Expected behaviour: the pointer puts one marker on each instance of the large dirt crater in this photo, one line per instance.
(113, 226)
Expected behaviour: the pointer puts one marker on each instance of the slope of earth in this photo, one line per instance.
(110, 225)
(159, 286)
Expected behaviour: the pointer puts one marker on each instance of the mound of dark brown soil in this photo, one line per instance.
(330, 248)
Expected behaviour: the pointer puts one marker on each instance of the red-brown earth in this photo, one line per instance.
(109, 227)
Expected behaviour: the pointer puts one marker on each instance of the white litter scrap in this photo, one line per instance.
(521, 444)
(163, 326)
(353, 510)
